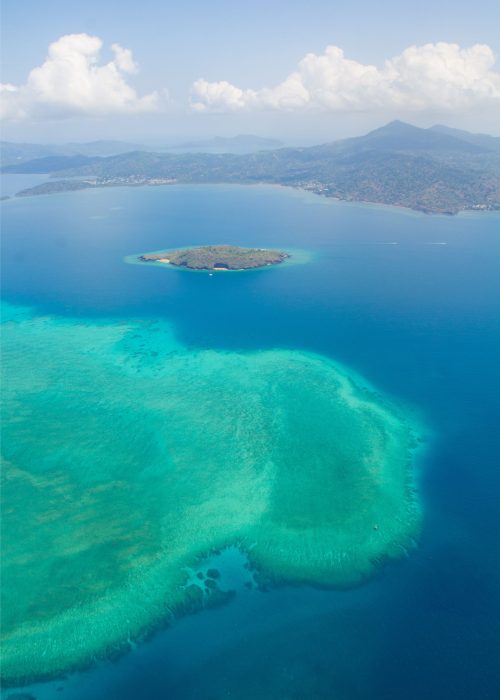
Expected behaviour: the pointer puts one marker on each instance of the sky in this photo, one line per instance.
(305, 72)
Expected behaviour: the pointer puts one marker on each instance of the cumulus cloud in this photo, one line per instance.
(438, 76)
(71, 81)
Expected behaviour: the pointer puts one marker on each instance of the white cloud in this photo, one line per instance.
(71, 81)
(438, 76)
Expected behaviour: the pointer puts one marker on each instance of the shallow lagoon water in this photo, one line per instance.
(419, 320)
(128, 458)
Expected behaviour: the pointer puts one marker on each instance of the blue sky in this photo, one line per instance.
(245, 52)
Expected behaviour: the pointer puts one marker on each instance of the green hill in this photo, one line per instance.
(398, 164)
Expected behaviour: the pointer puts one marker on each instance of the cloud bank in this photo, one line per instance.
(438, 76)
(71, 82)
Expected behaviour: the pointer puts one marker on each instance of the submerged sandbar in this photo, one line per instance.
(111, 493)
(217, 257)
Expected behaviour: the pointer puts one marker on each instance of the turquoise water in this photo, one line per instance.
(406, 302)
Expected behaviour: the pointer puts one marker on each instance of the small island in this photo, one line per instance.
(217, 257)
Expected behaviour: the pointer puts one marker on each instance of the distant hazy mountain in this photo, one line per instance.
(491, 143)
(243, 143)
(16, 153)
(398, 164)
(399, 136)
(47, 164)
(12, 153)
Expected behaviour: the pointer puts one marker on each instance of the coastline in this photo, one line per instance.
(85, 185)
(295, 256)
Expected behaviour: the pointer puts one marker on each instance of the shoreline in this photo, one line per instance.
(214, 258)
(85, 186)
(296, 256)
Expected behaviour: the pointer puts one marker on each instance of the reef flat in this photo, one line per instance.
(217, 257)
(128, 457)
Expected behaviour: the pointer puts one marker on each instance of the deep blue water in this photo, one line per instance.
(410, 301)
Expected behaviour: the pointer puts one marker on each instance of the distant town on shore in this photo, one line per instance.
(437, 170)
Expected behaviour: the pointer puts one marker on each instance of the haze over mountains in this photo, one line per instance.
(438, 170)
(18, 153)
(243, 143)
(489, 142)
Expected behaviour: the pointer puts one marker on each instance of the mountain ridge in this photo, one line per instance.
(397, 164)
(484, 140)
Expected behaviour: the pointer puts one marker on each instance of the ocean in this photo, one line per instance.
(406, 301)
